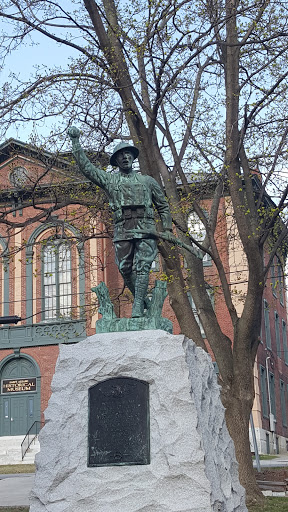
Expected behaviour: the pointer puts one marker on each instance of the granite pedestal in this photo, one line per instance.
(191, 463)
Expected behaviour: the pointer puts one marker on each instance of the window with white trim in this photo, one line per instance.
(283, 402)
(267, 325)
(280, 282)
(284, 340)
(273, 272)
(277, 333)
(263, 389)
(272, 393)
(276, 273)
(198, 232)
(57, 292)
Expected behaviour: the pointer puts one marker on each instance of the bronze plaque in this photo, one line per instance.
(118, 425)
(18, 385)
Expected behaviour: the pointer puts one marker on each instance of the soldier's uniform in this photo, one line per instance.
(131, 198)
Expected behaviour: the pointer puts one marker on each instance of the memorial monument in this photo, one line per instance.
(132, 198)
(135, 422)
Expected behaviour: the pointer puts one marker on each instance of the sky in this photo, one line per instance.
(22, 61)
(43, 51)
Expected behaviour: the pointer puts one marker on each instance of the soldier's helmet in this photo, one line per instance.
(119, 147)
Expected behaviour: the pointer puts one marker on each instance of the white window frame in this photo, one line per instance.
(267, 325)
(56, 281)
(196, 229)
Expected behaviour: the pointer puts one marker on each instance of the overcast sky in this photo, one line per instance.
(22, 62)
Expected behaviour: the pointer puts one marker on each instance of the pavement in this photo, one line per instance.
(15, 489)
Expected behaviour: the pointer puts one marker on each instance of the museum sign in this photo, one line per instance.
(18, 385)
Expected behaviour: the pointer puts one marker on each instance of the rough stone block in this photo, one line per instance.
(193, 466)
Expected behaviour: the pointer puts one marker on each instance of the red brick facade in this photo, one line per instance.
(46, 358)
(22, 290)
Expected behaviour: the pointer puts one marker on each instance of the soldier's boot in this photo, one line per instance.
(141, 287)
(129, 280)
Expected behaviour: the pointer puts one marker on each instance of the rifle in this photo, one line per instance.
(169, 237)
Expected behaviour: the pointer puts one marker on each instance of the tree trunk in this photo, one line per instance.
(237, 419)
(237, 397)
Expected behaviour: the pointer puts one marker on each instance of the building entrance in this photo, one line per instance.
(20, 396)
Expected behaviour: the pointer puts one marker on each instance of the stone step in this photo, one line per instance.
(11, 441)
(10, 451)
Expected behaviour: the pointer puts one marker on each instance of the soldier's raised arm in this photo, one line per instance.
(89, 170)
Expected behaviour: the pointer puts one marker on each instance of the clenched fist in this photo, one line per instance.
(73, 133)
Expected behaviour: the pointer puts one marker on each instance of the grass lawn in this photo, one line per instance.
(17, 468)
(14, 509)
(271, 505)
(265, 457)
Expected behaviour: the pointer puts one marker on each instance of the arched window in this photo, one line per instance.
(55, 276)
(198, 232)
(57, 292)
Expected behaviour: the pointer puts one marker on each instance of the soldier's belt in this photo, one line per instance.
(132, 213)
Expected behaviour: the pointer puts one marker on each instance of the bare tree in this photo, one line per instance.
(201, 89)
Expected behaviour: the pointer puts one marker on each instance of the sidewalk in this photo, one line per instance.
(15, 489)
(279, 461)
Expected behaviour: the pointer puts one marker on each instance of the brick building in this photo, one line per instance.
(270, 410)
(47, 272)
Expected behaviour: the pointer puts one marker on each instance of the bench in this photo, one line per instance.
(266, 485)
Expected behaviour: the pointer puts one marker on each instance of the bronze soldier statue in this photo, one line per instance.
(131, 198)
